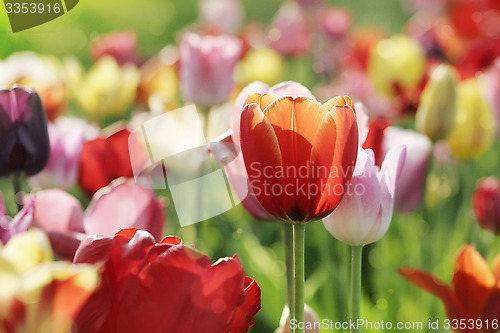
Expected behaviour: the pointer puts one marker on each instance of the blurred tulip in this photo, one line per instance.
(19, 224)
(399, 61)
(62, 168)
(312, 323)
(289, 34)
(25, 144)
(134, 267)
(107, 90)
(375, 138)
(159, 79)
(103, 160)
(121, 45)
(261, 64)
(492, 89)
(122, 204)
(222, 16)
(436, 112)
(43, 73)
(474, 293)
(39, 296)
(474, 128)
(365, 212)
(410, 188)
(335, 22)
(206, 68)
(486, 204)
(299, 154)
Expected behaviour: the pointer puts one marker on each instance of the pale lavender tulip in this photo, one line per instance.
(20, 223)
(411, 183)
(206, 68)
(365, 212)
(236, 171)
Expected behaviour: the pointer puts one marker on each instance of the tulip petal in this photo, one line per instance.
(336, 148)
(492, 310)
(496, 267)
(296, 123)
(3, 211)
(438, 288)
(291, 88)
(245, 312)
(473, 281)
(260, 144)
(19, 224)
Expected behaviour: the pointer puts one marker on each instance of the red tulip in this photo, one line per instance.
(103, 160)
(375, 138)
(475, 293)
(299, 153)
(164, 287)
(121, 45)
(486, 204)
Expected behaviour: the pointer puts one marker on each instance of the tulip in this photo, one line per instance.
(223, 16)
(19, 224)
(436, 112)
(44, 73)
(410, 188)
(398, 61)
(206, 68)
(103, 160)
(492, 89)
(38, 295)
(475, 294)
(474, 128)
(25, 144)
(486, 204)
(261, 64)
(121, 45)
(335, 23)
(107, 90)
(180, 290)
(364, 214)
(62, 168)
(375, 138)
(289, 34)
(123, 204)
(288, 134)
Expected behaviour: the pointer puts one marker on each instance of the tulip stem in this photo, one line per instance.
(17, 181)
(290, 282)
(297, 307)
(356, 260)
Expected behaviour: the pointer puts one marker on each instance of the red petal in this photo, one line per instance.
(243, 318)
(375, 138)
(94, 171)
(473, 281)
(259, 146)
(118, 143)
(439, 289)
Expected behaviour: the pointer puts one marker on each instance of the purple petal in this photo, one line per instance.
(20, 223)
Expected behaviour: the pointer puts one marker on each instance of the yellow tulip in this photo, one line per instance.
(474, 127)
(436, 113)
(396, 60)
(262, 64)
(107, 90)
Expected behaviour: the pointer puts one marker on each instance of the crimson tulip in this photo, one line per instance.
(475, 293)
(299, 153)
(164, 287)
(486, 204)
(103, 160)
(25, 144)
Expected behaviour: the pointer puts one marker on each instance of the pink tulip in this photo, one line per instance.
(121, 45)
(20, 223)
(62, 168)
(289, 34)
(492, 89)
(364, 214)
(206, 68)
(122, 204)
(224, 16)
(225, 149)
(411, 184)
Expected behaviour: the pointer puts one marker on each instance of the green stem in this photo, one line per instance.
(297, 307)
(17, 182)
(356, 259)
(288, 247)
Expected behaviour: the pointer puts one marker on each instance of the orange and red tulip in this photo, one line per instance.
(299, 153)
(475, 290)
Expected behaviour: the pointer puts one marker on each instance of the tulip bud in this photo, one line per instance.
(23, 132)
(397, 60)
(474, 127)
(436, 113)
(486, 204)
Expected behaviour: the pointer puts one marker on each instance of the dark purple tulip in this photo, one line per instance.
(24, 139)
